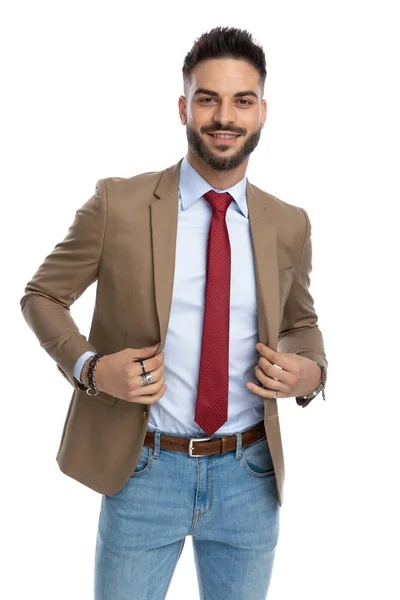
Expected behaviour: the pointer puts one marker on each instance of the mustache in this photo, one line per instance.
(220, 128)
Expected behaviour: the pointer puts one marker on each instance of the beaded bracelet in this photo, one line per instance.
(84, 371)
(92, 368)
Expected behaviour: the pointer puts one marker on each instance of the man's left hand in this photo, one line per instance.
(290, 374)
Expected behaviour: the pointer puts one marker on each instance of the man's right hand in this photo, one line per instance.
(119, 375)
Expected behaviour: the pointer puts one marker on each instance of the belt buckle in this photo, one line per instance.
(196, 440)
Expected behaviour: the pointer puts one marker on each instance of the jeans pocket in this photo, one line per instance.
(256, 459)
(144, 463)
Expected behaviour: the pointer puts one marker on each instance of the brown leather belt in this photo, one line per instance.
(206, 446)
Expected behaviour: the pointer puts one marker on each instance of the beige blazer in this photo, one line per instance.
(124, 237)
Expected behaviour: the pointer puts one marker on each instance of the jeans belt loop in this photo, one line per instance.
(238, 453)
(156, 449)
(223, 444)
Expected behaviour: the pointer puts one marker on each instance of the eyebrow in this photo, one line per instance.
(237, 95)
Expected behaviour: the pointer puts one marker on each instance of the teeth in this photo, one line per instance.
(225, 137)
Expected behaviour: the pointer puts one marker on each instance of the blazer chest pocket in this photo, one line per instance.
(285, 283)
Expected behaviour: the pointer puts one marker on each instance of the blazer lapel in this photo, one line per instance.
(264, 239)
(164, 223)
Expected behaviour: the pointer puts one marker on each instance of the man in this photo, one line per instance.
(203, 320)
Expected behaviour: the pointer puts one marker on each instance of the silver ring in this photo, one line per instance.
(275, 394)
(143, 367)
(146, 378)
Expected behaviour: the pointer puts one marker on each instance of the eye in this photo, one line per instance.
(241, 100)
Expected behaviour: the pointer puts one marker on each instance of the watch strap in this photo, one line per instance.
(321, 387)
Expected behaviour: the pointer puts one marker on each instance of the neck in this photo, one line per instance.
(221, 180)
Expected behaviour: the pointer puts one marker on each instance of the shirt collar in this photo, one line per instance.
(192, 186)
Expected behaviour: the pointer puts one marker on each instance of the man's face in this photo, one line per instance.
(224, 96)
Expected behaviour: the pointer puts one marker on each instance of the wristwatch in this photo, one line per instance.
(320, 388)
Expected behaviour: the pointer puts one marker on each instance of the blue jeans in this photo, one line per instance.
(227, 503)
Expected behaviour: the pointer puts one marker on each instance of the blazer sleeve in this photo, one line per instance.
(299, 333)
(61, 279)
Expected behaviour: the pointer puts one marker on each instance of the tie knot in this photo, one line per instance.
(218, 200)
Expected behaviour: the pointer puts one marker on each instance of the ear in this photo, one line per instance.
(263, 112)
(182, 109)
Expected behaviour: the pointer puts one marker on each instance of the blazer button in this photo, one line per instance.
(144, 414)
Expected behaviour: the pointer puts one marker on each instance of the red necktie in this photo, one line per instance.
(212, 392)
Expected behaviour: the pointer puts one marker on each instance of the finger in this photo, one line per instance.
(150, 364)
(279, 359)
(157, 374)
(264, 393)
(275, 371)
(270, 382)
(147, 390)
(266, 351)
(150, 399)
(143, 353)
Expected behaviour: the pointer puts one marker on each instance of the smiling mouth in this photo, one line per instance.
(224, 139)
(224, 136)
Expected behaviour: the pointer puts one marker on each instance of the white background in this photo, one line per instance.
(90, 90)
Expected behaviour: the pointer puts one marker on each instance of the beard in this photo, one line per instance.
(220, 163)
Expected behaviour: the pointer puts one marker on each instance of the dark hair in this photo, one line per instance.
(225, 42)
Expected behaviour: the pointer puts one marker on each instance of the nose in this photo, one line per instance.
(224, 113)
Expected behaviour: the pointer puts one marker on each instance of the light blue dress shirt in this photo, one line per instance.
(174, 412)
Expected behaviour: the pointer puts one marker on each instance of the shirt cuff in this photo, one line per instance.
(80, 362)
